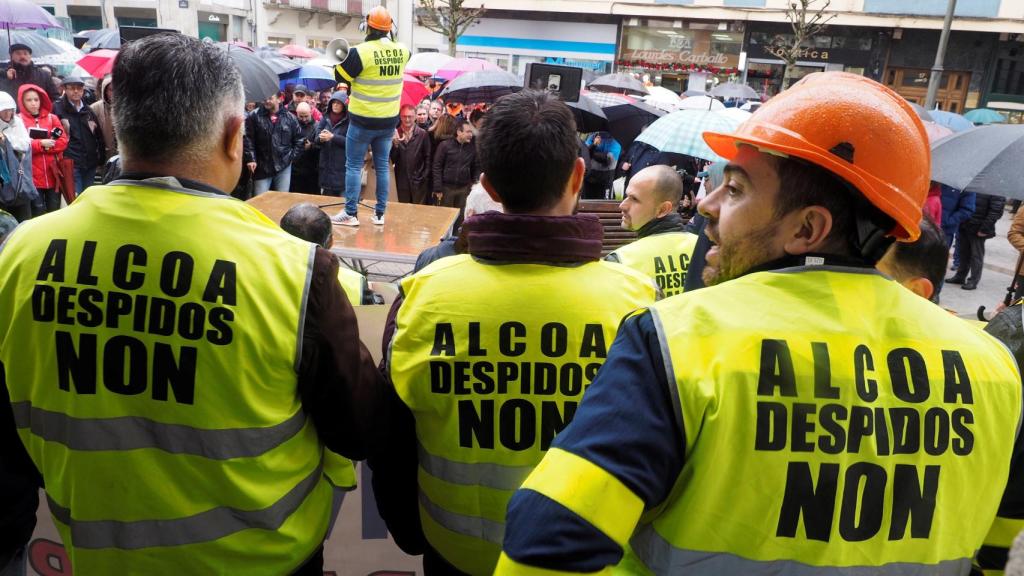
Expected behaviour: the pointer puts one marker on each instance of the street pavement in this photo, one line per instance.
(1000, 260)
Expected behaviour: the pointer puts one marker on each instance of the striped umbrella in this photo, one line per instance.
(682, 132)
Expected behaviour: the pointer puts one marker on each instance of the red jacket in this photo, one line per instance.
(44, 162)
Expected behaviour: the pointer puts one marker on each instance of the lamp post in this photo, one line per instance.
(936, 77)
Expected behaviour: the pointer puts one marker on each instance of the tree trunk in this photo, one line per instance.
(452, 42)
(788, 76)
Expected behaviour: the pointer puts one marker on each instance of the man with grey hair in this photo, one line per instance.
(178, 399)
(663, 247)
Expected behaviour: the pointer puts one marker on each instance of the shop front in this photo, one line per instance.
(856, 50)
(666, 53)
(511, 44)
(1006, 88)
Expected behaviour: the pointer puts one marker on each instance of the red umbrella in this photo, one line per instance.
(296, 51)
(98, 63)
(460, 66)
(413, 90)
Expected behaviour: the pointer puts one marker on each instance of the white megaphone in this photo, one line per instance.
(337, 51)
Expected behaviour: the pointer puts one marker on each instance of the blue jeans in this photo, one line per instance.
(84, 177)
(356, 143)
(282, 182)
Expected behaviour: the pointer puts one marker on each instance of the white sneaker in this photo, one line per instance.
(378, 220)
(343, 219)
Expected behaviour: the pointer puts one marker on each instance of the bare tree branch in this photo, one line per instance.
(449, 18)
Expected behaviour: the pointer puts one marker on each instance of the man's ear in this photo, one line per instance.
(232, 141)
(923, 287)
(664, 209)
(576, 179)
(489, 188)
(807, 230)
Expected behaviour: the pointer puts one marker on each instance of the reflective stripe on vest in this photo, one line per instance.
(663, 257)
(663, 558)
(351, 284)
(151, 358)
(377, 91)
(211, 524)
(478, 344)
(865, 413)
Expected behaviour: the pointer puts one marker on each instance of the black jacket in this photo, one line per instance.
(272, 146)
(987, 211)
(307, 161)
(455, 164)
(32, 75)
(332, 153)
(85, 145)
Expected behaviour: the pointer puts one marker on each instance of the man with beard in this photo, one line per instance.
(21, 71)
(273, 140)
(306, 166)
(86, 145)
(805, 414)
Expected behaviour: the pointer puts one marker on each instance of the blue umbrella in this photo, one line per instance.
(985, 116)
(314, 77)
(951, 120)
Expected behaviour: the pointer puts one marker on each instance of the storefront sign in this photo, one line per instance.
(680, 49)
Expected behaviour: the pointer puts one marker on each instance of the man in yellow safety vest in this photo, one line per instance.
(374, 69)
(173, 363)
(805, 414)
(490, 351)
(663, 246)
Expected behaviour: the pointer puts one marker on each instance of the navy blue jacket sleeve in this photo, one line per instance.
(627, 425)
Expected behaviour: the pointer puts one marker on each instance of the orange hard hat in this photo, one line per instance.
(379, 19)
(853, 127)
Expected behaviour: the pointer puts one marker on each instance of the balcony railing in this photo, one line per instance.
(358, 7)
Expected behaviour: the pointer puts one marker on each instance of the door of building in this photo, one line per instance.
(912, 84)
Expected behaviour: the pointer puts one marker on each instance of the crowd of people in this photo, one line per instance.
(763, 386)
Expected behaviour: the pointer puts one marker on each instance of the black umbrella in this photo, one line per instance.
(480, 87)
(108, 38)
(627, 118)
(40, 45)
(985, 160)
(279, 64)
(624, 83)
(589, 116)
(259, 80)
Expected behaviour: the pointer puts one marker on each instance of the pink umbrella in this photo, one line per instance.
(460, 66)
(936, 132)
(296, 51)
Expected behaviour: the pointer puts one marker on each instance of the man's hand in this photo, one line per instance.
(11, 74)
(252, 166)
(308, 145)
(597, 140)
(981, 234)
(625, 166)
(437, 198)
(325, 135)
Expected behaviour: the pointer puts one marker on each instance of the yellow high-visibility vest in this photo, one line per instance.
(664, 257)
(833, 422)
(377, 90)
(153, 382)
(352, 284)
(493, 361)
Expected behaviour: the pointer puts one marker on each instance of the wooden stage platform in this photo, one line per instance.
(408, 230)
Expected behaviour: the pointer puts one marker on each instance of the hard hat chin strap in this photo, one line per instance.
(873, 228)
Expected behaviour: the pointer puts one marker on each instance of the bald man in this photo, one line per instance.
(663, 248)
(306, 165)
